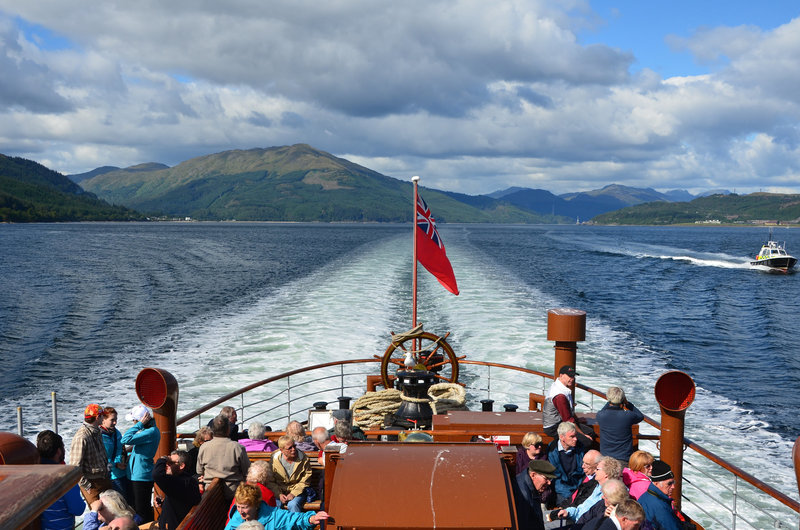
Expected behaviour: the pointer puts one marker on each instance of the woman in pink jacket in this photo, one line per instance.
(637, 475)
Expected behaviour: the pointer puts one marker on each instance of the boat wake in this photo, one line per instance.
(666, 253)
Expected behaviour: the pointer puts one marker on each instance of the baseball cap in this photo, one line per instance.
(569, 370)
(92, 410)
(137, 413)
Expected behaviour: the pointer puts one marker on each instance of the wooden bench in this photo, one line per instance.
(211, 513)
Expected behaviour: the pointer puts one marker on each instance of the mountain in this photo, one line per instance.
(679, 195)
(731, 208)
(77, 178)
(623, 194)
(288, 183)
(582, 205)
(502, 193)
(542, 201)
(714, 192)
(30, 192)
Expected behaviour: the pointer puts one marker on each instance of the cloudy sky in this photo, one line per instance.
(473, 96)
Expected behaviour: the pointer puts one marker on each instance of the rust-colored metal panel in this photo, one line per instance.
(16, 450)
(420, 485)
(491, 420)
(460, 425)
(25, 491)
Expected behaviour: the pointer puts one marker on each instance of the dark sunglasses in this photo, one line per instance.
(538, 445)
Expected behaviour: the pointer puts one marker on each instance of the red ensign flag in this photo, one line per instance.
(430, 249)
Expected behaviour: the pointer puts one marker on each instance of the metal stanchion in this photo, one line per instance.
(55, 411)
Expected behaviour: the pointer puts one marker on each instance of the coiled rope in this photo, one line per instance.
(371, 408)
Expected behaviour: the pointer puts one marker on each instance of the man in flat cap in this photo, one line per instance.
(88, 453)
(657, 500)
(528, 487)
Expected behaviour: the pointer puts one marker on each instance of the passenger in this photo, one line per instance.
(637, 475)
(291, 471)
(115, 452)
(531, 448)
(613, 493)
(628, 515)
(88, 453)
(321, 439)
(346, 430)
(222, 458)
(109, 506)
(342, 431)
(257, 439)
(615, 420)
(298, 434)
(528, 487)
(657, 499)
(179, 486)
(202, 435)
(590, 461)
(250, 507)
(566, 455)
(144, 436)
(559, 407)
(607, 468)
(61, 514)
(230, 413)
(257, 475)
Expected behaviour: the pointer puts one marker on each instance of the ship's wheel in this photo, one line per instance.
(428, 351)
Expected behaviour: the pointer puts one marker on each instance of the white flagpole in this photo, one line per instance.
(415, 180)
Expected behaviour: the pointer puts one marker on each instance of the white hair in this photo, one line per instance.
(256, 431)
(615, 395)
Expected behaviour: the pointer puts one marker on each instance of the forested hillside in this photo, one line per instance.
(29, 192)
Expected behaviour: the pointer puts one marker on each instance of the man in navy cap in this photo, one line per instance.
(528, 488)
(559, 407)
(657, 500)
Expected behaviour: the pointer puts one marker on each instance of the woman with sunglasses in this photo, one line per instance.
(532, 448)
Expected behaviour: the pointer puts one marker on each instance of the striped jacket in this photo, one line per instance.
(88, 453)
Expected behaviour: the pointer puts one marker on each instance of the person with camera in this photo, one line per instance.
(144, 438)
(179, 487)
(615, 420)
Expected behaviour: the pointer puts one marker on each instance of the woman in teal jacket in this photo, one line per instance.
(248, 506)
(115, 451)
(144, 438)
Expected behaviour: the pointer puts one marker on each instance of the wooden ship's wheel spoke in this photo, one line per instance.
(432, 352)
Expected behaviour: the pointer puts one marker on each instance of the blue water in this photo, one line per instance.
(84, 307)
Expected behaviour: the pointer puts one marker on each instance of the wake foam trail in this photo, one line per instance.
(659, 252)
(342, 311)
